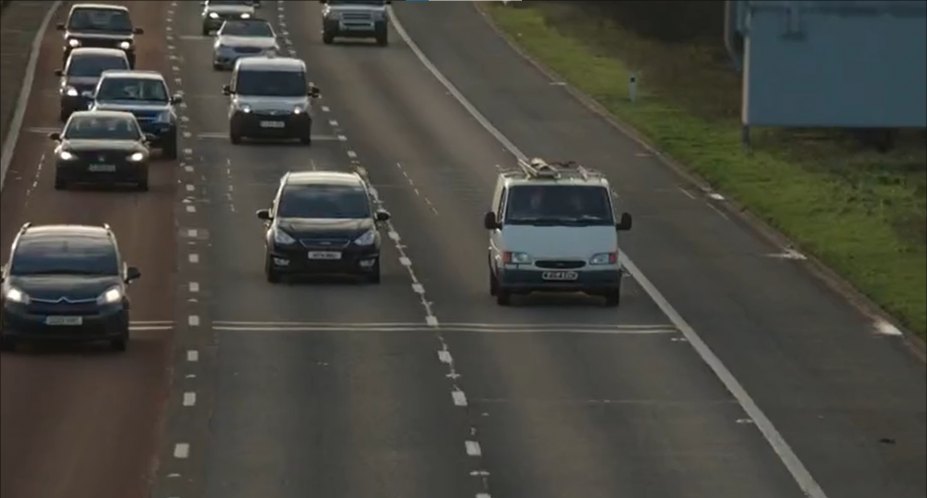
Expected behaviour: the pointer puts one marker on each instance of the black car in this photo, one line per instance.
(102, 26)
(65, 283)
(101, 147)
(322, 222)
(81, 73)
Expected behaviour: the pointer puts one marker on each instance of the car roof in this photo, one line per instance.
(133, 73)
(271, 64)
(113, 52)
(105, 6)
(101, 233)
(323, 178)
(537, 171)
(104, 114)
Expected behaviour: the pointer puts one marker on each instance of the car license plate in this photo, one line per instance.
(102, 168)
(272, 124)
(64, 320)
(327, 255)
(560, 275)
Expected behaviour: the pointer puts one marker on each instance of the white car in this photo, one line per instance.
(243, 38)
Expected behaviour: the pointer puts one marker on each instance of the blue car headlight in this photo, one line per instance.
(368, 238)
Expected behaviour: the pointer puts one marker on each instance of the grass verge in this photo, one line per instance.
(860, 211)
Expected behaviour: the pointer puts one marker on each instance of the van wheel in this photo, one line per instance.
(503, 297)
(272, 275)
(374, 276)
(613, 298)
(493, 284)
(235, 138)
(327, 38)
(7, 344)
(120, 344)
(60, 184)
(169, 151)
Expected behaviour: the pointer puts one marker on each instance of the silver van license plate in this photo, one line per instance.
(560, 275)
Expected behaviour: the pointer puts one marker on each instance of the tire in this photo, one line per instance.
(503, 297)
(120, 344)
(306, 139)
(613, 298)
(382, 39)
(235, 138)
(7, 344)
(205, 31)
(143, 183)
(63, 115)
(327, 37)
(60, 184)
(269, 272)
(169, 151)
(374, 276)
(493, 284)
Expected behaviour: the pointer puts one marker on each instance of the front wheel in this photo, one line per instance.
(493, 284)
(327, 37)
(120, 344)
(272, 275)
(382, 39)
(7, 344)
(170, 148)
(60, 184)
(374, 276)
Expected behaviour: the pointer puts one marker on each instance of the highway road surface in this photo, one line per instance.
(727, 372)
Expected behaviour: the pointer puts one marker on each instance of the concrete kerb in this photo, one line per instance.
(739, 212)
(22, 102)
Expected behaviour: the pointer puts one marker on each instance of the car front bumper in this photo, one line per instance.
(295, 260)
(354, 29)
(102, 323)
(254, 124)
(82, 170)
(592, 281)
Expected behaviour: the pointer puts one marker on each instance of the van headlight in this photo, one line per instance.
(283, 238)
(112, 295)
(369, 237)
(74, 42)
(66, 156)
(245, 108)
(15, 295)
(136, 157)
(245, 15)
(71, 91)
(213, 15)
(125, 45)
(517, 258)
(604, 258)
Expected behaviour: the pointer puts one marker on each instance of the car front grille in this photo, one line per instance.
(102, 156)
(555, 264)
(82, 308)
(325, 243)
(248, 50)
(99, 43)
(357, 16)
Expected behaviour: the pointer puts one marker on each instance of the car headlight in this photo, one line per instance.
(125, 45)
(283, 238)
(604, 258)
(66, 156)
(245, 108)
(74, 42)
(112, 295)
(163, 117)
(299, 109)
(245, 15)
(16, 296)
(136, 157)
(369, 237)
(213, 15)
(518, 258)
(71, 91)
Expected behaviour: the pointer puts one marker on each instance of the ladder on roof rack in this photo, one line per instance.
(539, 168)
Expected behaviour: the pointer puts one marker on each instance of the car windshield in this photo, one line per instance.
(91, 66)
(90, 127)
(323, 201)
(247, 28)
(357, 2)
(271, 83)
(231, 2)
(558, 205)
(64, 255)
(111, 20)
(132, 89)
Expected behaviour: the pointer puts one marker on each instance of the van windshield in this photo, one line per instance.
(271, 83)
(564, 205)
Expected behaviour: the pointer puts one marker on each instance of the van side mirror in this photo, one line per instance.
(54, 135)
(226, 90)
(59, 72)
(490, 222)
(382, 215)
(138, 31)
(264, 214)
(624, 223)
(60, 26)
(176, 98)
(314, 92)
(132, 273)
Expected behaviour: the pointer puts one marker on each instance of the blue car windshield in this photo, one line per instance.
(323, 201)
(64, 256)
(564, 205)
(91, 127)
(144, 89)
(109, 20)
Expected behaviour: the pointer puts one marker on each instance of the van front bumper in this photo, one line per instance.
(592, 281)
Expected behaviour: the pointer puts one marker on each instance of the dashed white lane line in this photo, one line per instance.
(194, 286)
(404, 261)
(193, 355)
(193, 320)
(483, 495)
(181, 450)
(192, 232)
(460, 399)
(352, 154)
(191, 208)
(333, 122)
(885, 328)
(473, 448)
(190, 187)
(194, 258)
(444, 356)
(342, 138)
(718, 211)
(188, 169)
(325, 108)
(418, 288)
(189, 399)
(686, 193)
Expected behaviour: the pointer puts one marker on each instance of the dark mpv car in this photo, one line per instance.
(322, 222)
(65, 283)
(81, 74)
(102, 26)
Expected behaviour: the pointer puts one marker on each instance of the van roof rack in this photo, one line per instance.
(539, 168)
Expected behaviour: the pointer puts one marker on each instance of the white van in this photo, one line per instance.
(552, 228)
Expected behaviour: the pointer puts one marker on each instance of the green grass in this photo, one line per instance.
(860, 211)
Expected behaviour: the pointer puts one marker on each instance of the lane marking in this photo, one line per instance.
(342, 138)
(431, 325)
(333, 122)
(404, 261)
(460, 399)
(189, 399)
(788, 253)
(486, 325)
(223, 135)
(192, 232)
(325, 108)
(193, 356)
(190, 187)
(22, 101)
(686, 193)
(418, 288)
(181, 450)
(191, 208)
(193, 320)
(885, 328)
(188, 169)
(782, 449)
(149, 328)
(473, 448)
(194, 257)
(718, 211)
(194, 286)
(352, 154)
(445, 356)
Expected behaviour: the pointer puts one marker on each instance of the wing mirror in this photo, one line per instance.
(176, 98)
(264, 214)
(382, 215)
(132, 273)
(226, 90)
(314, 92)
(54, 135)
(60, 26)
(624, 223)
(138, 31)
(149, 138)
(59, 72)
(490, 222)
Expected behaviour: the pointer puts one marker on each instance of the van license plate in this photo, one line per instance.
(326, 255)
(272, 124)
(102, 168)
(560, 275)
(64, 320)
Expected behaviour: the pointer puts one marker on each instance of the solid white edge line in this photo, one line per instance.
(788, 457)
(9, 145)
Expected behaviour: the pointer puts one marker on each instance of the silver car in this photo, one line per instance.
(243, 38)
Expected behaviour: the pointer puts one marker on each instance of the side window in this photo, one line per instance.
(500, 208)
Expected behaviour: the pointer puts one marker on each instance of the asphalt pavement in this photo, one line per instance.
(422, 386)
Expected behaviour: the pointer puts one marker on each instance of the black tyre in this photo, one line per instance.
(503, 297)
(63, 115)
(7, 344)
(60, 184)
(613, 298)
(327, 37)
(374, 276)
(205, 31)
(169, 151)
(273, 276)
(493, 284)
(306, 139)
(142, 184)
(120, 344)
(382, 39)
